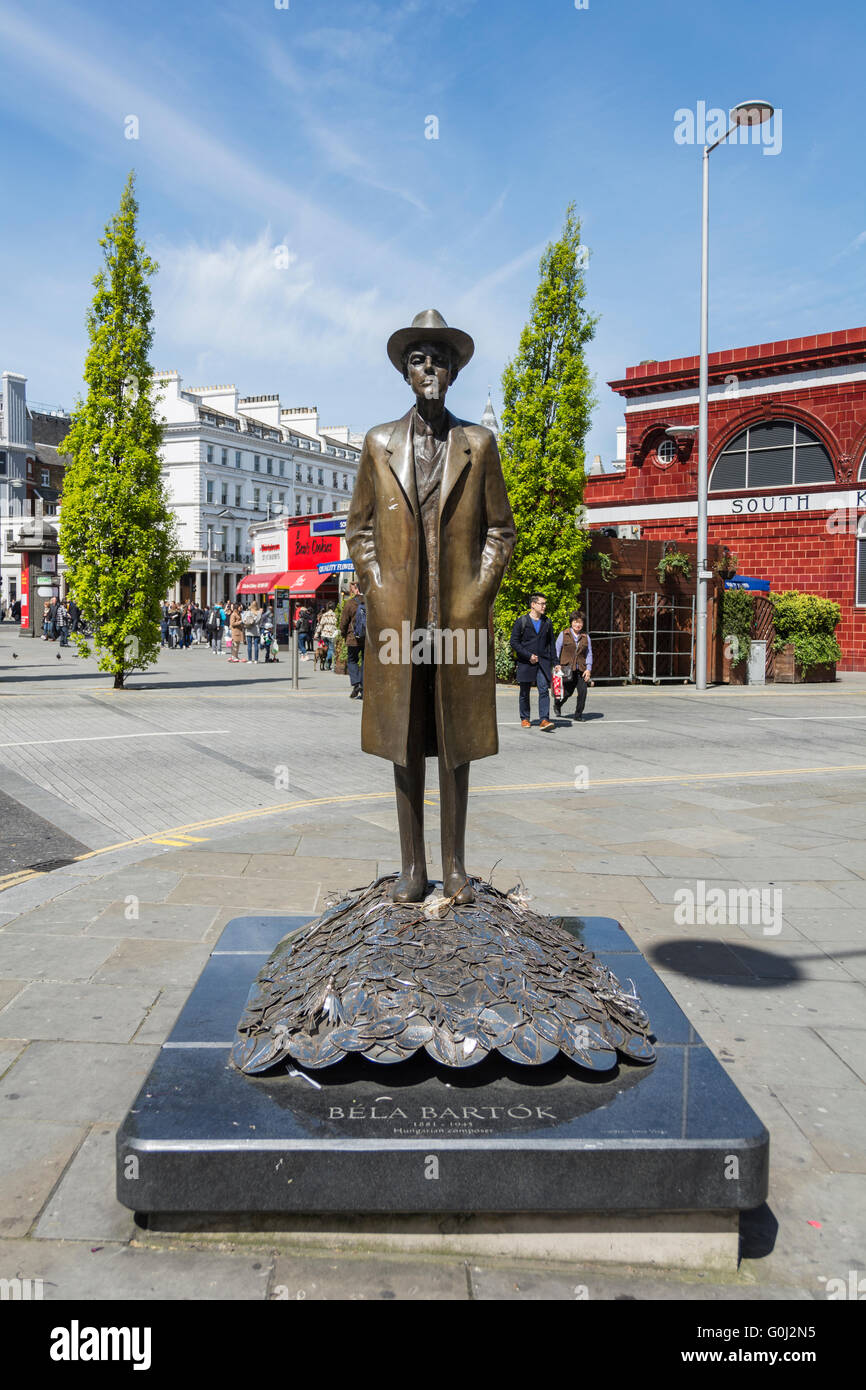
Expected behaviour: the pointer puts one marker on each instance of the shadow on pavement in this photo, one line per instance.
(738, 966)
(758, 1231)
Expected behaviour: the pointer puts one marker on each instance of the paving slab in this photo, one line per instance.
(153, 921)
(834, 1121)
(59, 917)
(217, 861)
(163, 964)
(849, 1044)
(318, 1277)
(162, 1017)
(852, 894)
(153, 885)
(634, 865)
(698, 959)
(32, 1158)
(8, 990)
(776, 959)
(87, 1013)
(79, 1271)
(669, 890)
(591, 1284)
(10, 1051)
(848, 954)
(249, 894)
(83, 1205)
(37, 957)
(74, 1082)
(806, 1003)
(776, 1056)
(805, 896)
(839, 924)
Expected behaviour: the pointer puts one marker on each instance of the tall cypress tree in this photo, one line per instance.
(548, 402)
(117, 531)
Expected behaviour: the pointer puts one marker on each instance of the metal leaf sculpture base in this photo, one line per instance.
(382, 979)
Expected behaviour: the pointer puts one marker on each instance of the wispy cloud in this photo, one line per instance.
(849, 250)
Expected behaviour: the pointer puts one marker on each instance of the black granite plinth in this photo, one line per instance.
(420, 1137)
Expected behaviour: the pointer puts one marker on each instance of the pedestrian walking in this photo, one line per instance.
(252, 631)
(269, 639)
(215, 624)
(533, 646)
(198, 624)
(574, 657)
(186, 624)
(236, 628)
(326, 628)
(61, 620)
(353, 627)
(304, 629)
(174, 634)
(163, 625)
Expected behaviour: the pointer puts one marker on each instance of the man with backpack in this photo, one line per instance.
(353, 626)
(532, 642)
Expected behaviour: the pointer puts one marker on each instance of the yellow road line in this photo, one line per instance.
(238, 817)
(20, 876)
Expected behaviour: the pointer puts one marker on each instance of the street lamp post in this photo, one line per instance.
(209, 594)
(747, 113)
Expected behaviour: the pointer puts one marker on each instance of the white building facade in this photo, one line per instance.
(231, 462)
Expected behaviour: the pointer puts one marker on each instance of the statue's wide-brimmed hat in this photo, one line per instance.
(430, 327)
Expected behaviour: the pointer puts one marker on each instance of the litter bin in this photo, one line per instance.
(758, 663)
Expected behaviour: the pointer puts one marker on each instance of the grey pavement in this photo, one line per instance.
(208, 791)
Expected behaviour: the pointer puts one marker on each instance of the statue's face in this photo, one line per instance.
(428, 371)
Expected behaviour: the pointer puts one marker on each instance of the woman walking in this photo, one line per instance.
(252, 631)
(236, 628)
(326, 628)
(574, 655)
(174, 625)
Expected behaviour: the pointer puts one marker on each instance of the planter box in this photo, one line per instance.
(733, 672)
(789, 673)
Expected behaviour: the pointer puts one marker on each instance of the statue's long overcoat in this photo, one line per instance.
(476, 538)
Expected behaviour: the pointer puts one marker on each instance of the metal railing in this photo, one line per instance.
(640, 637)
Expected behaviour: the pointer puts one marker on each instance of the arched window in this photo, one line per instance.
(774, 453)
(862, 474)
(860, 597)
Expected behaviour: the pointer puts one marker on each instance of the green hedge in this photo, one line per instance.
(504, 656)
(809, 623)
(738, 616)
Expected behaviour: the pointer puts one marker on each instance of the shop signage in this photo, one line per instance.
(336, 567)
(306, 550)
(270, 552)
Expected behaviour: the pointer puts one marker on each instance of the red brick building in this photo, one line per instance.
(787, 466)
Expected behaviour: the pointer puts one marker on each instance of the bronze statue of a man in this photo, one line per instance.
(430, 533)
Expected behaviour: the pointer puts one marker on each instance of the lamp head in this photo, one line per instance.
(751, 113)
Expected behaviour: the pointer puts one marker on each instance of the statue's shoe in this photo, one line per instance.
(410, 888)
(457, 887)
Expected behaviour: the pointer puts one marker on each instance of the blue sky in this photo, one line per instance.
(304, 128)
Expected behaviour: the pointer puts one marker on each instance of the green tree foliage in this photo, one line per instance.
(548, 402)
(809, 622)
(117, 532)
